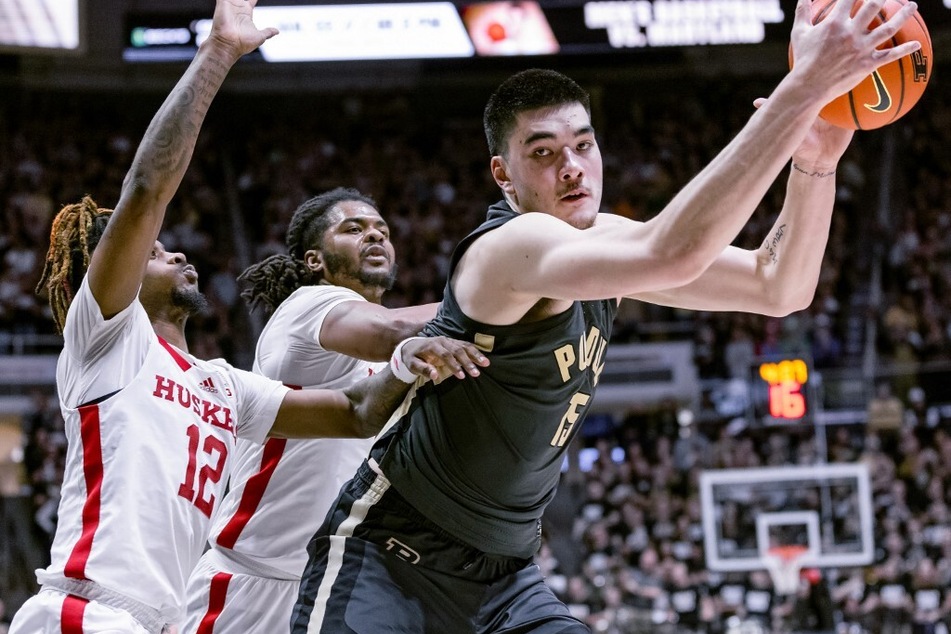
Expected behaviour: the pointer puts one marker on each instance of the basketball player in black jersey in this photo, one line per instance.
(437, 530)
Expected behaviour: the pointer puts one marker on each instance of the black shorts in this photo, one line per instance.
(378, 566)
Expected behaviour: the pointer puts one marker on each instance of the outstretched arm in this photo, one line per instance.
(118, 264)
(370, 331)
(781, 276)
(363, 409)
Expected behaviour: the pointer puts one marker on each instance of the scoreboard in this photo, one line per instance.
(458, 29)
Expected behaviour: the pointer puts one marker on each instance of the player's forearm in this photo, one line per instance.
(779, 277)
(375, 399)
(169, 141)
(791, 255)
(371, 332)
(710, 211)
(357, 412)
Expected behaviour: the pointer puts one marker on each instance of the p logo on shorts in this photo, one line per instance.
(402, 551)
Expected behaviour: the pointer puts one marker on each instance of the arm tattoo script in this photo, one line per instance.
(772, 245)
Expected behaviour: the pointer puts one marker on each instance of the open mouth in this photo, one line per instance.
(190, 273)
(574, 196)
(375, 252)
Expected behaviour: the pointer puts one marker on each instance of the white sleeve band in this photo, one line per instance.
(398, 367)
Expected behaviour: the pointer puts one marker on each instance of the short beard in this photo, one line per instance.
(190, 300)
(339, 265)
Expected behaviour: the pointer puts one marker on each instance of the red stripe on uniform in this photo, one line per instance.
(92, 471)
(71, 618)
(216, 602)
(253, 492)
(182, 362)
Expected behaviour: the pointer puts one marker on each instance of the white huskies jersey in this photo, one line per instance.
(151, 431)
(281, 492)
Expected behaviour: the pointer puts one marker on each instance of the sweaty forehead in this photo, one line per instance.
(355, 210)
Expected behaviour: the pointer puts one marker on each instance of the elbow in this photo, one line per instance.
(781, 304)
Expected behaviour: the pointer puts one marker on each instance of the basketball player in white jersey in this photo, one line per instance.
(327, 292)
(151, 428)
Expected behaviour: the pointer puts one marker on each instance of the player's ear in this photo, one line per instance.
(314, 260)
(501, 176)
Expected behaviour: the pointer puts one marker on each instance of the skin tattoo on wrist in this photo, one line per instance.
(816, 174)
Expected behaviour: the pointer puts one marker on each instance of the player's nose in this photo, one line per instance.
(571, 168)
(375, 234)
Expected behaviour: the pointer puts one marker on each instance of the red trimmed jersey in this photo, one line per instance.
(152, 433)
(281, 491)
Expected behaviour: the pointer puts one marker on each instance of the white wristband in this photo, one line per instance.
(398, 367)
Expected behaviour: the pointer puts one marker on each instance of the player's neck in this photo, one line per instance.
(374, 295)
(172, 332)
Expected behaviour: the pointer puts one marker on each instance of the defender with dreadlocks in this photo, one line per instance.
(328, 330)
(152, 429)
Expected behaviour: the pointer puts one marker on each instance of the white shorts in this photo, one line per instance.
(55, 612)
(221, 600)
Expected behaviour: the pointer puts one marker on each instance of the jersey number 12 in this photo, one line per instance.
(217, 452)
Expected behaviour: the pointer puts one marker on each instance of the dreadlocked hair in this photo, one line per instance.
(272, 281)
(74, 235)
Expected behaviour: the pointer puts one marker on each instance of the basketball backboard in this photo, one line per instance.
(826, 509)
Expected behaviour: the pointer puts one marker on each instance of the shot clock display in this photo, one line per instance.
(781, 391)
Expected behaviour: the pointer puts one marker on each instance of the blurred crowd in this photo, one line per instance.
(635, 511)
(624, 546)
(422, 156)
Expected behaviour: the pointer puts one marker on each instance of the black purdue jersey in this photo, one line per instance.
(481, 457)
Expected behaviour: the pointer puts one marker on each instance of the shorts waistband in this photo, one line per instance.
(150, 618)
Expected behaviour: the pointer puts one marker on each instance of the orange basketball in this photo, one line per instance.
(891, 91)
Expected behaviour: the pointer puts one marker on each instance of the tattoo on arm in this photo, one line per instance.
(772, 245)
(172, 136)
(816, 174)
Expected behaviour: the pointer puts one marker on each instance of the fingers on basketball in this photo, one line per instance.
(894, 88)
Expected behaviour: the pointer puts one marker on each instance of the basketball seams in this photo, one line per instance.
(900, 110)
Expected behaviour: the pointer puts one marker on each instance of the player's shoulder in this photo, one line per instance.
(307, 299)
(608, 219)
(526, 227)
(308, 295)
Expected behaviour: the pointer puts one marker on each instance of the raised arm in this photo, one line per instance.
(780, 276)
(363, 409)
(118, 264)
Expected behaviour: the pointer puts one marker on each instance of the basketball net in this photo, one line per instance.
(784, 564)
